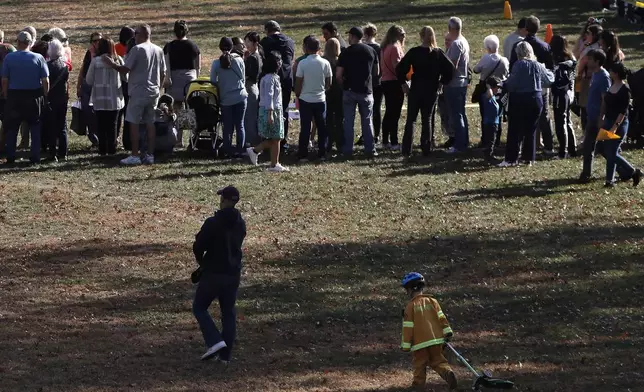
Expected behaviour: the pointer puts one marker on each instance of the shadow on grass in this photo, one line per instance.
(559, 298)
(535, 189)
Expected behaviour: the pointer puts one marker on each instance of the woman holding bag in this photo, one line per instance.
(491, 64)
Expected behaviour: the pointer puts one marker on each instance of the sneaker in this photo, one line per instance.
(637, 177)
(212, 351)
(372, 154)
(395, 147)
(452, 150)
(549, 152)
(131, 161)
(311, 144)
(506, 164)
(252, 155)
(278, 169)
(148, 159)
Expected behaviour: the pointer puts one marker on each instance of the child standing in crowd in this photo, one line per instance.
(271, 127)
(425, 332)
(491, 116)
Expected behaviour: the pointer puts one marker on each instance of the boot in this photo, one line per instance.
(450, 379)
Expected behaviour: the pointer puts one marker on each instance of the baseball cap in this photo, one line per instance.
(356, 32)
(229, 193)
(272, 25)
(25, 37)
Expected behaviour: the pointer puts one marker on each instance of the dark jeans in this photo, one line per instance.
(224, 288)
(394, 97)
(56, 129)
(287, 89)
(89, 117)
(499, 128)
(545, 126)
(107, 128)
(312, 112)
(377, 112)
(610, 151)
(335, 120)
(423, 102)
(525, 111)
(563, 125)
(488, 136)
(233, 119)
(590, 142)
(23, 105)
(456, 98)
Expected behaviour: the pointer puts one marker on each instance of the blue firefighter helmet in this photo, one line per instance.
(413, 279)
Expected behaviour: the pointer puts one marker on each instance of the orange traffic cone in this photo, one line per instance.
(507, 10)
(549, 33)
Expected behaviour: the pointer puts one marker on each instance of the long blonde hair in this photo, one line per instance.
(392, 36)
(332, 50)
(427, 32)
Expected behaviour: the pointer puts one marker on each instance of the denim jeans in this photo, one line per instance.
(545, 126)
(233, 119)
(224, 288)
(610, 151)
(23, 106)
(365, 108)
(56, 129)
(423, 102)
(455, 98)
(525, 111)
(590, 142)
(312, 112)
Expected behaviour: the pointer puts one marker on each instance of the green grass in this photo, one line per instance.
(540, 277)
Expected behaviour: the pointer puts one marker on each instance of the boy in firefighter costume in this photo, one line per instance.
(425, 332)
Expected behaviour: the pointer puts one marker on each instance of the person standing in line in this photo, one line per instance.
(491, 114)
(312, 80)
(609, 43)
(355, 69)
(276, 41)
(583, 77)
(125, 35)
(543, 55)
(334, 107)
(370, 32)
(515, 37)
(218, 251)
(145, 64)
(563, 96)
(253, 63)
(525, 85)
(183, 59)
(431, 68)
(55, 115)
(492, 64)
(330, 30)
(5, 49)
(599, 85)
(271, 127)
(59, 34)
(25, 84)
(84, 90)
(456, 90)
(393, 50)
(615, 110)
(107, 95)
(228, 73)
(441, 105)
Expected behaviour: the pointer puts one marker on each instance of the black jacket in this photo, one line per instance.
(218, 245)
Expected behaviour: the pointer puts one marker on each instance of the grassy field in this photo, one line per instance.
(540, 277)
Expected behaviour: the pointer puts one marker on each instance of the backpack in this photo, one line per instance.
(564, 76)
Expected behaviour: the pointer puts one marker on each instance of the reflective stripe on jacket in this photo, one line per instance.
(424, 324)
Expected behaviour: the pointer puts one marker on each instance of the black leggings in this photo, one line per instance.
(394, 98)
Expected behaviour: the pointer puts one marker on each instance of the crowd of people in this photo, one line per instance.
(120, 87)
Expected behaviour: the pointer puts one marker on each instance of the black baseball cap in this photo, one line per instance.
(356, 32)
(229, 193)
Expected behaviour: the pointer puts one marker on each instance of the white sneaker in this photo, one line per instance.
(278, 169)
(213, 350)
(148, 159)
(131, 161)
(311, 144)
(506, 164)
(252, 155)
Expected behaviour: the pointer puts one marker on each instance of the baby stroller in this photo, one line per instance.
(203, 98)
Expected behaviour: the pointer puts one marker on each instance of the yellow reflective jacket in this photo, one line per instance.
(424, 324)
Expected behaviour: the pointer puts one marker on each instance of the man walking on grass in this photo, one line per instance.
(356, 67)
(25, 85)
(146, 67)
(218, 250)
